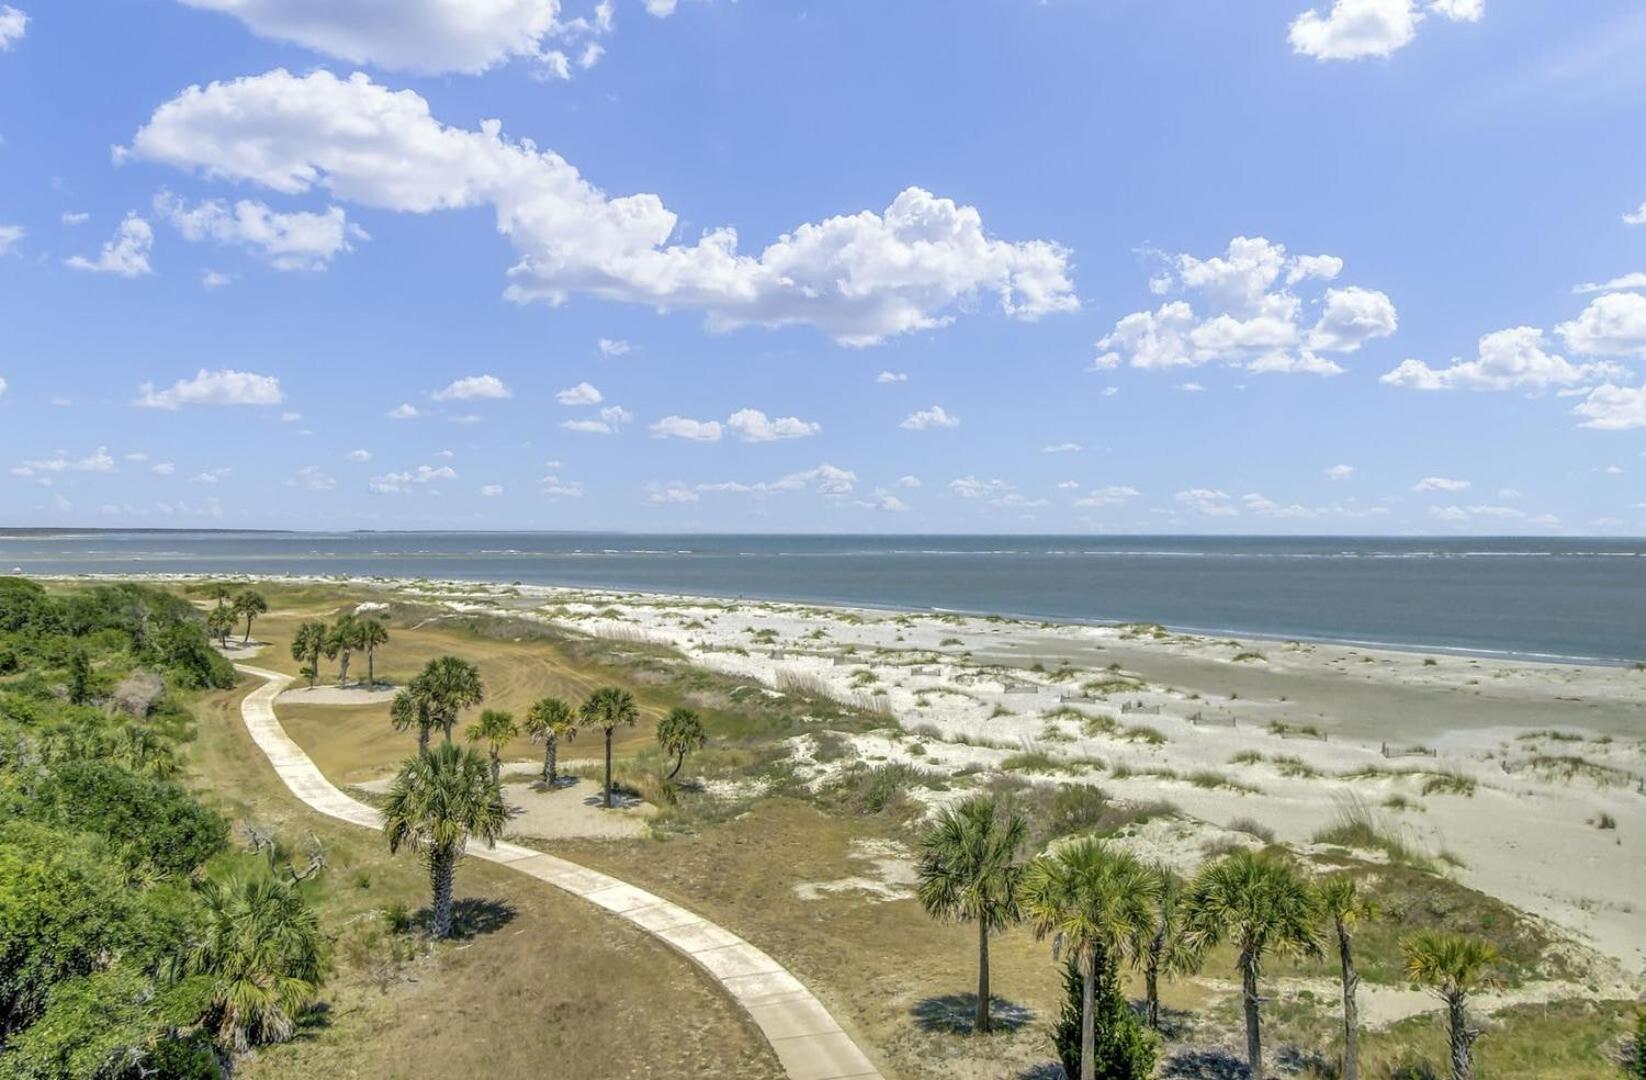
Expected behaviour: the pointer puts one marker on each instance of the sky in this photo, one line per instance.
(1051, 266)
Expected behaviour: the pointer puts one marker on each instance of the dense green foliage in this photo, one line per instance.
(106, 859)
(1123, 1049)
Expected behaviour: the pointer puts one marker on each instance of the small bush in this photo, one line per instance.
(1252, 827)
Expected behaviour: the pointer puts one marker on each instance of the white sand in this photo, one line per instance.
(358, 694)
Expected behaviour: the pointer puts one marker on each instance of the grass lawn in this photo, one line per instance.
(545, 984)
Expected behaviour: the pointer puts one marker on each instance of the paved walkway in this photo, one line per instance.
(808, 1041)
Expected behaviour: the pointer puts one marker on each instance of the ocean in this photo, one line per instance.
(1577, 600)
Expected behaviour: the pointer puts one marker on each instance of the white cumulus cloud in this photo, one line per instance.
(752, 425)
(930, 419)
(859, 278)
(222, 387)
(408, 482)
(1513, 359)
(1440, 483)
(1612, 325)
(681, 427)
(473, 388)
(1252, 314)
(423, 36)
(1356, 29)
(581, 394)
(295, 241)
(126, 254)
(1613, 408)
(13, 25)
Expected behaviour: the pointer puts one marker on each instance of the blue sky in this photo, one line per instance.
(1061, 266)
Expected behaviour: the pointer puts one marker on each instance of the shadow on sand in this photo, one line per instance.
(952, 1014)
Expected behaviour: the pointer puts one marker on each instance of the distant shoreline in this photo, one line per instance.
(1202, 633)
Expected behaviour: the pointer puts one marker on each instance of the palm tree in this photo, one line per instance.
(496, 729)
(553, 721)
(437, 802)
(410, 709)
(221, 592)
(1162, 950)
(261, 948)
(1453, 966)
(341, 643)
(450, 685)
(679, 733)
(1259, 902)
(606, 708)
(307, 645)
(1345, 905)
(969, 872)
(220, 622)
(373, 635)
(248, 605)
(1089, 899)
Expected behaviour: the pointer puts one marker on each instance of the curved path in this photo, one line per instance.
(809, 1043)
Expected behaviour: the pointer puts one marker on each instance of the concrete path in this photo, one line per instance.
(808, 1041)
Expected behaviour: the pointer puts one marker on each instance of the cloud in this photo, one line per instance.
(556, 488)
(609, 347)
(826, 479)
(908, 481)
(1613, 408)
(671, 494)
(74, 217)
(313, 478)
(1440, 483)
(407, 483)
(859, 278)
(1463, 514)
(680, 427)
(1255, 317)
(928, 419)
(296, 241)
(424, 36)
(13, 25)
(164, 468)
(222, 387)
(1513, 359)
(491, 491)
(892, 377)
(125, 255)
(3, 387)
(1061, 448)
(752, 425)
(1636, 280)
(1113, 495)
(212, 279)
(885, 502)
(474, 388)
(1637, 217)
(1355, 29)
(1612, 325)
(10, 237)
(1209, 502)
(358, 455)
(661, 8)
(210, 476)
(611, 418)
(1340, 472)
(98, 461)
(581, 394)
(404, 411)
(995, 492)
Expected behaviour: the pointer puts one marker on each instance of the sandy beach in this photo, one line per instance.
(1523, 780)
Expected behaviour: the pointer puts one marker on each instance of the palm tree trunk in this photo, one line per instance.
(982, 1023)
(371, 667)
(1351, 1010)
(1463, 1066)
(608, 768)
(1151, 978)
(548, 760)
(1088, 1020)
(423, 740)
(247, 638)
(314, 670)
(442, 867)
(1249, 998)
(679, 761)
(497, 764)
(343, 668)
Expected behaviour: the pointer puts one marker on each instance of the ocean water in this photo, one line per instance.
(1570, 599)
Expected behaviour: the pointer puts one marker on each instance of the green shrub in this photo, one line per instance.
(1123, 1047)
